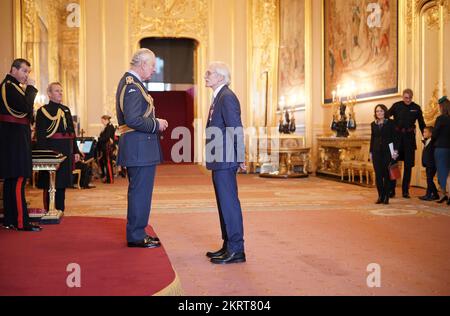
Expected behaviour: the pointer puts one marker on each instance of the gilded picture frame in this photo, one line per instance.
(360, 48)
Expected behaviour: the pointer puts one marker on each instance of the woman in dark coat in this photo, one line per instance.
(441, 140)
(105, 150)
(55, 131)
(383, 149)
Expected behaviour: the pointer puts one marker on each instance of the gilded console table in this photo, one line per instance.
(333, 151)
(280, 154)
(49, 161)
(288, 159)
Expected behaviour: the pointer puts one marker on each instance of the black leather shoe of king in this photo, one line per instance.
(229, 258)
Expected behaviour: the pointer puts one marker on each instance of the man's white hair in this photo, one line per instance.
(142, 55)
(222, 69)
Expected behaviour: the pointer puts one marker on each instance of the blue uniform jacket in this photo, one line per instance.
(141, 147)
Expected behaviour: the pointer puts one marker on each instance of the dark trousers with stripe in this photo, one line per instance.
(229, 206)
(140, 191)
(60, 199)
(106, 167)
(16, 212)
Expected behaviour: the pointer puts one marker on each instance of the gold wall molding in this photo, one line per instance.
(29, 19)
(431, 111)
(433, 18)
(178, 19)
(436, 12)
(168, 18)
(263, 22)
(409, 19)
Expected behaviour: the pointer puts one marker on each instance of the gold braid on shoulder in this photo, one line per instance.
(148, 98)
(14, 113)
(55, 121)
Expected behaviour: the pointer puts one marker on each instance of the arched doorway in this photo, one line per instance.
(173, 87)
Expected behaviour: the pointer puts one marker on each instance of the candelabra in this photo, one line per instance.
(342, 124)
(287, 122)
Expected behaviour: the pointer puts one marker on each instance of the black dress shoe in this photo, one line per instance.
(30, 228)
(386, 200)
(217, 254)
(146, 243)
(406, 196)
(392, 195)
(155, 239)
(425, 198)
(228, 258)
(444, 199)
(448, 202)
(379, 201)
(9, 227)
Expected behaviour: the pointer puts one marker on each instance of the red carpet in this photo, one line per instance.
(36, 263)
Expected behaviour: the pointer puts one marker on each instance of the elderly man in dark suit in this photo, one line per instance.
(139, 146)
(225, 154)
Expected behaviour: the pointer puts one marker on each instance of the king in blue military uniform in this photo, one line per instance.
(16, 114)
(139, 145)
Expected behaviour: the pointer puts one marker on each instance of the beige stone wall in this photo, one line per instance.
(7, 36)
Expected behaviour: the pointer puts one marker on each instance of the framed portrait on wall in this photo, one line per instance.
(361, 47)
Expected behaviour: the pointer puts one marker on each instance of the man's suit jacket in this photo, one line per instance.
(140, 147)
(428, 156)
(226, 115)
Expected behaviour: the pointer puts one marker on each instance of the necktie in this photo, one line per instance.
(211, 109)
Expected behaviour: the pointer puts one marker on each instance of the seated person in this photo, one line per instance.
(86, 174)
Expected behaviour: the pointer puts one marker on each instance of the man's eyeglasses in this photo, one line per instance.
(209, 73)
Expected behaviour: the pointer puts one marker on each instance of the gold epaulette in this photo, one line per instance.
(129, 80)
